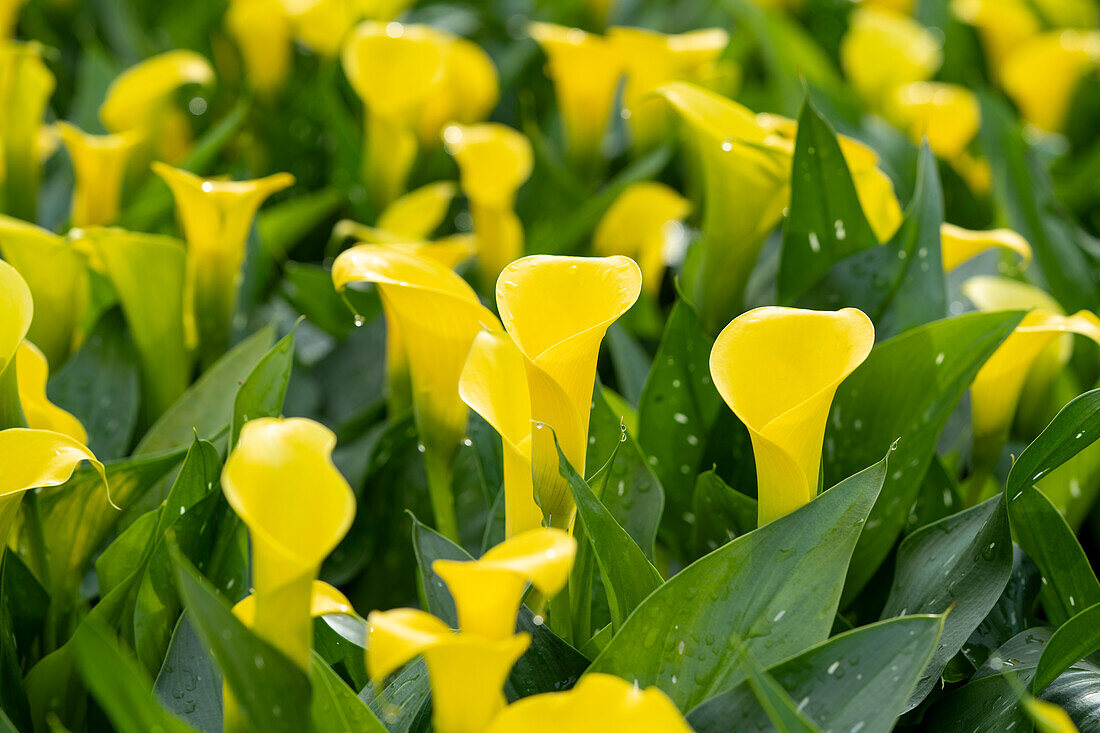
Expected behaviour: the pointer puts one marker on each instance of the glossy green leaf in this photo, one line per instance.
(263, 391)
(1012, 613)
(774, 700)
(776, 589)
(188, 684)
(1073, 640)
(721, 513)
(283, 225)
(334, 708)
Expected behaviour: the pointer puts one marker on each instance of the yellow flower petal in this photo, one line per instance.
(1048, 717)
(585, 70)
(557, 310)
(393, 68)
(1041, 75)
(32, 370)
(216, 217)
(467, 92)
(467, 671)
(264, 35)
(25, 88)
(324, 600)
(9, 16)
(493, 162)
(16, 313)
(417, 214)
(598, 703)
(883, 50)
(281, 482)
(959, 244)
(778, 369)
(1005, 24)
(99, 166)
(494, 385)
(138, 96)
(947, 114)
(487, 592)
(639, 224)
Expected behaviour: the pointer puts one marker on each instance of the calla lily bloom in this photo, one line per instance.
(32, 371)
(640, 224)
(494, 385)
(598, 703)
(467, 92)
(493, 161)
(487, 592)
(585, 70)
(436, 315)
(324, 600)
(99, 167)
(418, 213)
(959, 244)
(883, 50)
(142, 98)
(9, 16)
(16, 314)
(467, 671)
(25, 88)
(216, 217)
(653, 59)
(281, 481)
(557, 310)
(778, 369)
(264, 35)
(1042, 74)
(947, 114)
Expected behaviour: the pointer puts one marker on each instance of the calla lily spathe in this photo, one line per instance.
(324, 600)
(99, 167)
(959, 244)
(16, 314)
(493, 162)
(640, 224)
(417, 214)
(437, 315)
(281, 482)
(598, 703)
(1042, 74)
(25, 88)
(585, 70)
(948, 115)
(778, 369)
(557, 310)
(467, 671)
(215, 217)
(32, 370)
(883, 50)
(264, 34)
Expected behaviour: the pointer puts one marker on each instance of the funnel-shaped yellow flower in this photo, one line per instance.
(467, 92)
(640, 224)
(25, 88)
(778, 369)
(883, 50)
(493, 161)
(959, 244)
(467, 671)
(324, 600)
(585, 70)
(598, 703)
(142, 98)
(1042, 74)
(437, 315)
(487, 592)
(323, 24)
(264, 36)
(494, 385)
(557, 310)
(417, 214)
(215, 217)
(57, 277)
(281, 481)
(99, 167)
(32, 371)
(652, 59)
(16, 313)
(947, 114)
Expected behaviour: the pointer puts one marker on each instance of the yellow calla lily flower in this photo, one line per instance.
(639, 224)
(467, 92)
(585, 71)
(947, 114)
(418, 213)
(487, 592)
(25, 88)
(493, 162)
(1047, 716)
(281, 481)
(883, 50)
(32, 371)
(324, 24)
(778, 369)
(1041, 75)
(216, 217)
(652, 59)
(557, 310)
(959, 244)
(99, 167)
(264, 35)
(494, 385)
(16, 314)
(436, 315)
(467, 671)
(598, 703)
(324, 600)
(141, 98)
(9, 16)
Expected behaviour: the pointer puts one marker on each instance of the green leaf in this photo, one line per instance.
(272, 692)
(676, 412)
(13, 696)
(283, 225)
(958, 566)
(1073, 640)
(907, 388)
(1012, 612)
(206, 407)
(858, 680)
(628, 577)
(721, 513)
(334, 708)
(119, 685)
(263, 391)
(404, 703)
(826, 223)
(630, 360)
(776, 588)
(188, 683)
(774, 700)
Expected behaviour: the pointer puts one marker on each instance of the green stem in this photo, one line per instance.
(441, 493)
(36, 537)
